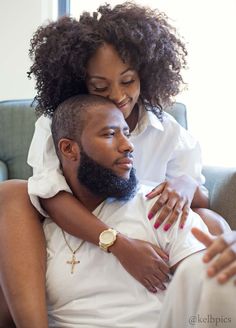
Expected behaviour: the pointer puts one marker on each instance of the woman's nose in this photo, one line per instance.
(116, 94)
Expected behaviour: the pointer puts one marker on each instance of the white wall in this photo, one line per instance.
(18, 20)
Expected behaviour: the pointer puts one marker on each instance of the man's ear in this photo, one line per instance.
(68, 149)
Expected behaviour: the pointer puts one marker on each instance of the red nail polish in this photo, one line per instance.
(167, 226)
(157, 224)
(181, 226)
(166, 258)
(150, 215)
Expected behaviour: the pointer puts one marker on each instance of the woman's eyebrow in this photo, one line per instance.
(127, 70)
(96, 77)
(103, 78)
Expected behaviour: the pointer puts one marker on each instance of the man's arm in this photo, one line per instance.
(141, 259)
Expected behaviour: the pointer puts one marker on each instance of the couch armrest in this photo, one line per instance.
(221, 183)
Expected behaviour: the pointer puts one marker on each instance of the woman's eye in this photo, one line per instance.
(128, 82)
(100, 89)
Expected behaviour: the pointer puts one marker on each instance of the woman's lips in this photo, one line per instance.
(123, 104)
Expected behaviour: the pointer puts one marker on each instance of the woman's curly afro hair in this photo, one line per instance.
(143, 38)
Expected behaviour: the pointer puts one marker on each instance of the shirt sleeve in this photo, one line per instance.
(180, 243)
(47, 179)
(186, 157)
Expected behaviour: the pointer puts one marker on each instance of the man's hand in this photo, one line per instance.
(144, 261)
(221, 252)
(175, 198)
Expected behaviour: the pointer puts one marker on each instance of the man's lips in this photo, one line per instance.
(126, 162)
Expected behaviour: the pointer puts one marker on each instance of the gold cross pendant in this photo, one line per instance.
(73, 262)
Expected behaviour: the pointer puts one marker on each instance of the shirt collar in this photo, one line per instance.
(146, 118)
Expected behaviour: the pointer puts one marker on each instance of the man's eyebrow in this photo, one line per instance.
(114, 127)
(103, 78)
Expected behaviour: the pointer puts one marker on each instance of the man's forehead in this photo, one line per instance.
(104, 116)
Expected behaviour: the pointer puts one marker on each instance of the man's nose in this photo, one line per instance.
(126, 145)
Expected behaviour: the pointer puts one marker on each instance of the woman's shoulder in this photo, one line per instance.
(43, 122)
(169, 121)
(170, 124)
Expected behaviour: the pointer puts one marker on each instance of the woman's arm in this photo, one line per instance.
(175, 199)
(200, 199)
(142, 260)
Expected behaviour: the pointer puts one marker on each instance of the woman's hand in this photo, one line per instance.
(175, 198)
(144, 261)
(221, 252)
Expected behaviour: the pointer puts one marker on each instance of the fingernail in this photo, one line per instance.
(181, 226)
(167, 226)
(166, 258)
(206, 258)
(150, 192)
(211, 272)
(222, 278)
(157, 224)
(150, 215)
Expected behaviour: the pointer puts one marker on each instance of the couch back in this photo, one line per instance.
(17, 118)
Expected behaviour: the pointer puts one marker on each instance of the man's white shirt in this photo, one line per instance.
(100, 293)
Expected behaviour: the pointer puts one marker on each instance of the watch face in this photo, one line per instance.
(107, 237)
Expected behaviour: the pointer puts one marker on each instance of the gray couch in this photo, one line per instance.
(17, 119)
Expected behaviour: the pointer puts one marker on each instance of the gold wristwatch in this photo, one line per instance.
(107, 238)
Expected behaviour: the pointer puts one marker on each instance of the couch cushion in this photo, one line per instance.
(221, 183)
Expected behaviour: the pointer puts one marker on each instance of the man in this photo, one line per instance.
(86, 287)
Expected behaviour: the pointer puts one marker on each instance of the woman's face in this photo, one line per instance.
(110, 77)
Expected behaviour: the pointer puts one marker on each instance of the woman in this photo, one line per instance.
(131, 55)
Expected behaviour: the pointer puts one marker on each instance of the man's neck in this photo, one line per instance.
(86, 197)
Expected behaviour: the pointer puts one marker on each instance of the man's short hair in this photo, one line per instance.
(70, 116)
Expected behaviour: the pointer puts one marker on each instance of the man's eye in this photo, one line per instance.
(127, 134)
(109, 134)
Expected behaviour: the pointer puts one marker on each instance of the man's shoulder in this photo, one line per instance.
(145, 187)
(138, 201)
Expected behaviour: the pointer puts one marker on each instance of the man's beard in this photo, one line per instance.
(104, 182)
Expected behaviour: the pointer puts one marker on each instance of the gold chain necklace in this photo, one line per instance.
(73, 260)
